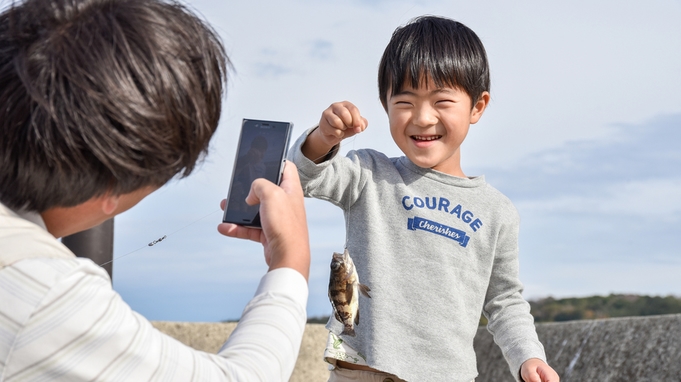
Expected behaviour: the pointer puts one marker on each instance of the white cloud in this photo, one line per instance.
(655, 199)
(575, 280)
(321, 49)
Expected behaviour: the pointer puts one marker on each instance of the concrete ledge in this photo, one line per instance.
(209, 337)
(615, 350)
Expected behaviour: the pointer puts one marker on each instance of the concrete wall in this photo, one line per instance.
(209, 337)
(613, 350)
(620, 349)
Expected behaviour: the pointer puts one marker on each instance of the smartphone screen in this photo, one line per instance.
(260, 154)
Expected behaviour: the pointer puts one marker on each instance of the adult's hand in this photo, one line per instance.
(284, 234)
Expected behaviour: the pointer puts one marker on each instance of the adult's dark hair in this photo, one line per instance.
(434, 47)
(103, 96)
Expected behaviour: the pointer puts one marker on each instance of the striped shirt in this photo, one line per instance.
(60, 320)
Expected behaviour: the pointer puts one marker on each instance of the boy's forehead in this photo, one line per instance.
(425, 84)
(425, 81)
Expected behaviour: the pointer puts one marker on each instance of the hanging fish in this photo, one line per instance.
(344, 290)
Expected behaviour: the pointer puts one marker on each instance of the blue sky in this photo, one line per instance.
(583, 134)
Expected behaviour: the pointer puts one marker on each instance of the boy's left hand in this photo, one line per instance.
(536, 370)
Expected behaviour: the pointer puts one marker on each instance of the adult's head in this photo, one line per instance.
(103, 97)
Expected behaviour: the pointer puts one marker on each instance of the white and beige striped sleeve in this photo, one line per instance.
(60, 320)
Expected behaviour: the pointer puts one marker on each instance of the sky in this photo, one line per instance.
(583, 134)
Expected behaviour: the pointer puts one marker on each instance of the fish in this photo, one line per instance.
(344, 291)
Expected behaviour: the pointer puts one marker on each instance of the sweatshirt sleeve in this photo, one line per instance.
(510, 321)
(265, 344)
(338, 179)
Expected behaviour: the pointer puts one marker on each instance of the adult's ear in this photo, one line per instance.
(110, 203)
(480, 107)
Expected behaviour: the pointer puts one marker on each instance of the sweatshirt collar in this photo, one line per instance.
(470, 182)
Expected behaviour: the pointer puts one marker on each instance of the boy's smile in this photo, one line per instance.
(429, 124)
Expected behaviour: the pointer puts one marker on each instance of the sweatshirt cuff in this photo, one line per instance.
(306, 166)
(516, 358)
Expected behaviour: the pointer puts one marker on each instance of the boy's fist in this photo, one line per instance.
(339, 121)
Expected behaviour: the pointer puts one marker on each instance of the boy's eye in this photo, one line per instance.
(445, 101)
(402, 103)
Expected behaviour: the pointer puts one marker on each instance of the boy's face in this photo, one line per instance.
(429, 124)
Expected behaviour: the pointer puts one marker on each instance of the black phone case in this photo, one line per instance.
(261, 153)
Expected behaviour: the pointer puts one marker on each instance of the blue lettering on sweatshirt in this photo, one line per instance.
(439, 229)
(442, 204)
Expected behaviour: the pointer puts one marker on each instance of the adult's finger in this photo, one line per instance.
(290, 180)
(241, 232)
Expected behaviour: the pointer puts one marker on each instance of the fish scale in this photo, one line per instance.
(344, 291)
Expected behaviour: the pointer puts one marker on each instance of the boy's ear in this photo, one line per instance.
(479, 107)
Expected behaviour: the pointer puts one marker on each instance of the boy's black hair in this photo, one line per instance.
(434, 47)
(103, 96)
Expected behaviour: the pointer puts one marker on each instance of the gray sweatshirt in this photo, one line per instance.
(436, 250)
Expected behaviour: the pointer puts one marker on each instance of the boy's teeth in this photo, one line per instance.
(431, 138)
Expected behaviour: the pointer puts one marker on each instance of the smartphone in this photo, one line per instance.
(261, 153)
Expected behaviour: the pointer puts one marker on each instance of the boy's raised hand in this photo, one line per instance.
(339, 121)
(536, 370)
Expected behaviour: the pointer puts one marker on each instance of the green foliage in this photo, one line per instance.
(318, 320)
(586, 308)
(614, 305)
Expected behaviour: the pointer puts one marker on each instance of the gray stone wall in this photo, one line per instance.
(634, 349)
(209, 337)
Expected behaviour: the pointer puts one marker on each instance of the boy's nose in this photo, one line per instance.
(425, 116)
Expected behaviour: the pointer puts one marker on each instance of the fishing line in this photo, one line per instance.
(347, 219)
(160, 239)
(342, 144)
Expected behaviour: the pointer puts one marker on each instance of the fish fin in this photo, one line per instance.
(348, 331)
(335, 312)
(365, 290)
(357, 318)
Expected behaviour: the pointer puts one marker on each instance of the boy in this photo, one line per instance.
(104, 101)
(435, 247)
